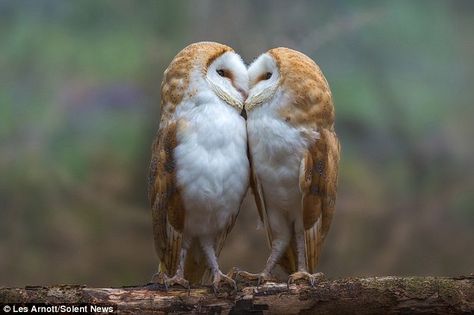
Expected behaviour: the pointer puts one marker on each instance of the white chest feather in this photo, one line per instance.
(277, 149)
(212, 163)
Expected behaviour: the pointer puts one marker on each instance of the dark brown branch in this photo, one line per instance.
(378, 295)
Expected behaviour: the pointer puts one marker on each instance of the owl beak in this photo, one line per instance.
(243, 113)
(243, 93)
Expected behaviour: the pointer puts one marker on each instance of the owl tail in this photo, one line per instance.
(195, 266)
(288, 260)
(162, 268)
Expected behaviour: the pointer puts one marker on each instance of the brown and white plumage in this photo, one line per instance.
(294, 154)
(199, 168)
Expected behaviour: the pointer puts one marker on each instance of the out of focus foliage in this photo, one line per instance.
(79, 106)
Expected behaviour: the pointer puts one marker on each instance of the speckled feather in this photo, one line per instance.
(311, 104)
(165, 199)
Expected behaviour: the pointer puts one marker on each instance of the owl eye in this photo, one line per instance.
(221, 72)
(264, 77)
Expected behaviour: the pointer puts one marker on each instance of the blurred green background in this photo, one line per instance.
(79, 106)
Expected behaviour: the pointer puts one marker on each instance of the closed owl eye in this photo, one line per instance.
(221, 72)
(225, 73)
(265, 76)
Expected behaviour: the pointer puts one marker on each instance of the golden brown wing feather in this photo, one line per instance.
(167, 207)
(318, 183)
(168, 210)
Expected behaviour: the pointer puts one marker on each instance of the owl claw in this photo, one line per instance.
(219, 278)
(303, 275)
(176, 280)
(300, 275)
(261, 278)
(159, 278)
(233, 273)
(265, 277)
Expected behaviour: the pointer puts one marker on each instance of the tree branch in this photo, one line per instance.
(376, 295)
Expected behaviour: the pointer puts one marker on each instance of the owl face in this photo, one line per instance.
(202, 70)
(289, 71)
(264, 80)
(227, 77)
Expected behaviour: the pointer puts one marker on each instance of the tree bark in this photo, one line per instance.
(376, 295)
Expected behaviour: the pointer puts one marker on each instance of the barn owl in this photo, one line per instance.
(294, 154)
(199, 170)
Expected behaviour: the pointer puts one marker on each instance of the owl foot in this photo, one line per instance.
(303, 275)
(159, 278)
(233, 273)
(157, 281)
(176, 279)
(261, 278)
(220, 278)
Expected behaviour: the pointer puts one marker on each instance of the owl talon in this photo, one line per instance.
(176, 280)
(303, 275)
(260, 278)
(233, 273)
(265, 277)
(159, 278)
(300, 275)
(219, 278)
(319, 276)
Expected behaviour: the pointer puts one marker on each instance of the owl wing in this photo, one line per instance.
(318, 184)
(257, 191)
(167, 206)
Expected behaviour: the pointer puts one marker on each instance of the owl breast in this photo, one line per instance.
(212, 162)
(277, 149)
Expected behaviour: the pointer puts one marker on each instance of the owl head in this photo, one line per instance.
(287, 71)
(205, 67)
